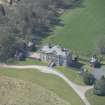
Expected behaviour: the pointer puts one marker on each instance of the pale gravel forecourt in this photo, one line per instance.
(80, 90)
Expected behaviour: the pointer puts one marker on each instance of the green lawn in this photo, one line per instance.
(95, 100)
(18, 92)
(72, 74)
(83, 27)
(49, 82)
(30, 61)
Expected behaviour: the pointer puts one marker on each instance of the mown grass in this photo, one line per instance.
(94, 99)
(72, 74)
(83, 27)
(30, 61)
(18, 92)
(49, 82)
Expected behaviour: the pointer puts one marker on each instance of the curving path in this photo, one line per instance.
(98, 72)
(80, 90)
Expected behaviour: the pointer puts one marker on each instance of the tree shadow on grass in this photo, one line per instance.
(46, 31)
(78, 4)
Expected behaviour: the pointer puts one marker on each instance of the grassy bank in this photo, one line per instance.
(18, 92)
(94, 99)
(49, 82)
(72, 74)
(28, 61)
(83, 27)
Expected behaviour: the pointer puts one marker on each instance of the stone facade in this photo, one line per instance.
(12, 1)
(55, 54)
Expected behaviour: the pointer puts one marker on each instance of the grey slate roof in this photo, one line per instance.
(54, 50)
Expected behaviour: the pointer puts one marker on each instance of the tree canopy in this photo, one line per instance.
(27, 20)
(99, 86)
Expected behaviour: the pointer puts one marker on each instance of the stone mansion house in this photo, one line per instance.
(55, 55)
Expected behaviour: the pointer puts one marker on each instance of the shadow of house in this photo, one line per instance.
(75, 62)
(77, 65)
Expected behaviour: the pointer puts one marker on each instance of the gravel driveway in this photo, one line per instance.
(98, 72)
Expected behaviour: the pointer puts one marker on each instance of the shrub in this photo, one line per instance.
(101, 46)
(88, 78)
(99, 87)
(11, 61)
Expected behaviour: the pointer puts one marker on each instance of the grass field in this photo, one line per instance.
(95, 100)
(28, 61)
(19, 92)
(49, 82)
(83, 27)
(72, 74)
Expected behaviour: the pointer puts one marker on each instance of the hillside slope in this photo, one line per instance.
(19, 92)
(83, 27)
